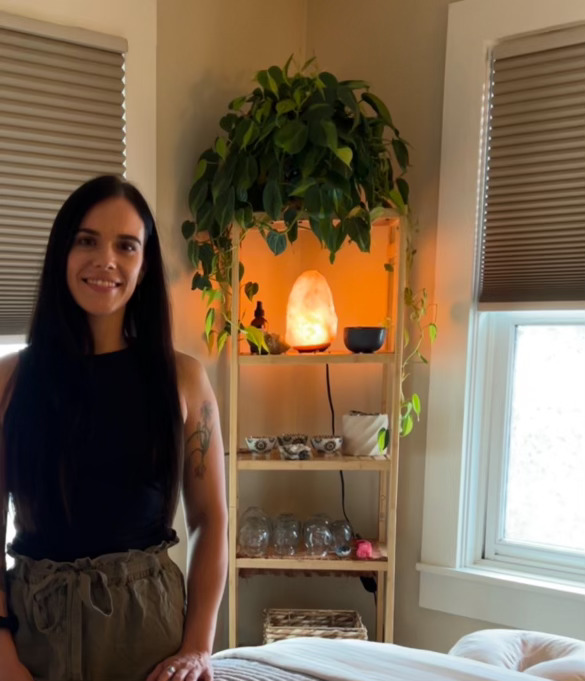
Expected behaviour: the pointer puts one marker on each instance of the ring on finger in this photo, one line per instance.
(171, 670)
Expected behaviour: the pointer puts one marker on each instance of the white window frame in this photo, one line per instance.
(490, 445)
(452, 579)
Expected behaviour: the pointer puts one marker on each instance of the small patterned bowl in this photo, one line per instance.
(328, 444)
(295, 452)
(260, 443)
(292, 439)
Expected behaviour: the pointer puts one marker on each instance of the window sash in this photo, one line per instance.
(496, 340)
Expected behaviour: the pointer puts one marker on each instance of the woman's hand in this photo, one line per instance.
(184, 666)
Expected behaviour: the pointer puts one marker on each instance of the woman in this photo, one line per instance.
(103, 424)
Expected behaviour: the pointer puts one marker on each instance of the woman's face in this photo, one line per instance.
(105, 262)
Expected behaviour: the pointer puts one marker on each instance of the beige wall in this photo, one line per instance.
(134, 20)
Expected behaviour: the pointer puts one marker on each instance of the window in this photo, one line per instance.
(533, 440)
(482, 556)
(8, 346)
(61, 122)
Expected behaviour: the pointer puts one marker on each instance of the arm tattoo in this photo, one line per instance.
(197, 444)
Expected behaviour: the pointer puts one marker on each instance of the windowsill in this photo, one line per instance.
(505, 598)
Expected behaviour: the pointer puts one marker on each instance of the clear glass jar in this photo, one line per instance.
(255, 530)
(317, 536)
(286, 534)
(342, 535)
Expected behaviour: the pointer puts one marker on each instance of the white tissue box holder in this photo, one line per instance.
(360, 433)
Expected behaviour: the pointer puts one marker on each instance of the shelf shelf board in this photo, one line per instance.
(249, 461)
(292, 357)
(306, 563)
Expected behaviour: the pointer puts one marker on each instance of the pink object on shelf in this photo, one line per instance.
(363, 548)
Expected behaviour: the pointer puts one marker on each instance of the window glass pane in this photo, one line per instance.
(6, 349)
(546, 468)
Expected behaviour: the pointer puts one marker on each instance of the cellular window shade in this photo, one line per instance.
(61, 122)
(533, 231)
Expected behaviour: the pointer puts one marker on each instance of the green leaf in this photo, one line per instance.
(205, 218)
(328, 79)
(355, 84)
(224, 208)
(272, 200)
(221, 147)
(347, 98)
(197, 195)
(250, 134)
(200, 282)
(302, 186)
(313, 200)
(188, 229)
(383, 439)
(415, 399)
(376, 213)
(267, 82)
(237, 103)
(345, 154)
(379, 107)
(209, 319)
(251, 289)
(256, 337)
(200, 169)
(292, 137)
(318, 111)
(285, 106)
(206, 257)
(221, 339)
(331, 136)
(433, 332)
(276, 242)
(407, 426)
(291, 221)
(193, 253)
(275, 73)
(358, 230)
(403, 188)
(240, 271)
(308, 63)
(401, 152)
(285, 70)
(396, 198)
(228, 122)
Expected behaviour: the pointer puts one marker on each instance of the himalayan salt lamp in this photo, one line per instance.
(311, 322)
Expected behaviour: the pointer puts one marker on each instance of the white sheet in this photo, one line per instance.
(346, 660)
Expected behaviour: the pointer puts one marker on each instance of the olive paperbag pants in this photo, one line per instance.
(111, 618)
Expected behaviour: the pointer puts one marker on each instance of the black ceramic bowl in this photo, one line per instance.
(364, 338)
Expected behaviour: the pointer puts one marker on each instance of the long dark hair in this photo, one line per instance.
(52, 369)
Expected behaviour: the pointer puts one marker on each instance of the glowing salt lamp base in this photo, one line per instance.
(313, 348)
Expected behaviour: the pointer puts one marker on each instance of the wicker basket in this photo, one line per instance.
(287, 623)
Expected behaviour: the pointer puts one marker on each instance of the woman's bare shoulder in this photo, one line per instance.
(189, 369)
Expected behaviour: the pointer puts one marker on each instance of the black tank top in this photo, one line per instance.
(117, 504)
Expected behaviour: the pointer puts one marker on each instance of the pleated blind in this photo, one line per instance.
(61, 122)
(533, 232)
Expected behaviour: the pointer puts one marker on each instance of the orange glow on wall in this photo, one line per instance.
(311, 322)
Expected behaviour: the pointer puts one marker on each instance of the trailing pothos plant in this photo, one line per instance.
(303, 150)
